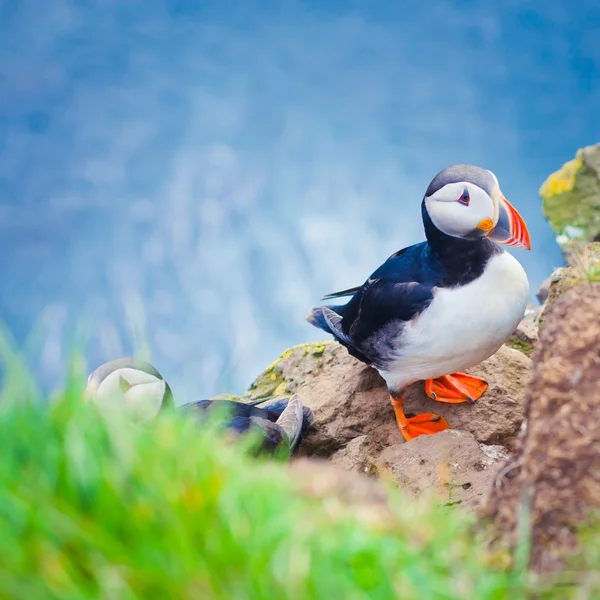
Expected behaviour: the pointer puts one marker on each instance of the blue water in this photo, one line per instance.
(204, 171)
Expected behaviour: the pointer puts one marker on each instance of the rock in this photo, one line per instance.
(555, 473)
(525, 336)
(451, 464)
(584, 268)
(350, 399)
(359, 455)
(294, 367)
(571, 198)
(561, 280)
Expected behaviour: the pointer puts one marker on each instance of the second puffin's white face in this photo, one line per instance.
(463, 210)
(139, 393)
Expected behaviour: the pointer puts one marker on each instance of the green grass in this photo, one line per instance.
(98, 508)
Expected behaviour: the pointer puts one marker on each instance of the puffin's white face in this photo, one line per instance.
(464, 201)
(139, 393)
(462, 210)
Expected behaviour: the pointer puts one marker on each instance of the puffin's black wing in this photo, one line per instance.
(380, 303)
(348, 292)
(398, 290)
(370, 323)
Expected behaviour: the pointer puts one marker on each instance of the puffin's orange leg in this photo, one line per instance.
(423, 424)
(455, 388)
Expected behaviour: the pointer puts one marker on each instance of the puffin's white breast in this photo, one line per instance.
(462, 326)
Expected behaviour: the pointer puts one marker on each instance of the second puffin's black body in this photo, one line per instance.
(243, 417)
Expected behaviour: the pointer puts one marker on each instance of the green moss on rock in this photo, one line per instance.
(571, 198)
(521, 345)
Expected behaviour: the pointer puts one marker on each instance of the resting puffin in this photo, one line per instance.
(440, 306)
(139, 388)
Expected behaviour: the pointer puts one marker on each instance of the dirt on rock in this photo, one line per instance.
(451, 464)
(360, 455)
(554, 476)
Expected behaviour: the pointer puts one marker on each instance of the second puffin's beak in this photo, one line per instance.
(510, 229)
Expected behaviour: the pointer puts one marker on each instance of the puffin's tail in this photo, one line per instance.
(317, 317)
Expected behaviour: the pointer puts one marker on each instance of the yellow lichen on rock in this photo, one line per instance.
(273, 380)
(281, 389)
(564, 179)
(571, 199)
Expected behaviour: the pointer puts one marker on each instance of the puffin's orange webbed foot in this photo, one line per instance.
(423, 424)
(455, 388)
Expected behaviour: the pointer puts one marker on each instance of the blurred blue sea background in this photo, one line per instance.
(204, 171)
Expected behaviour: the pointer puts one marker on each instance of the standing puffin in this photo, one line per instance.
(138, 388)
(440, 306)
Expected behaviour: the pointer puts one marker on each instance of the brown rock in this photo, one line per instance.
(561, 281)
(359, 455)
(350, 399)
(525, 336)
(451, 464)
(555, 474)
(584, 268)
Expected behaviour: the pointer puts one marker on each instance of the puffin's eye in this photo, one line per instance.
(465, 198)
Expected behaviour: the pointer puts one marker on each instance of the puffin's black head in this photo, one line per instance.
(464, 201)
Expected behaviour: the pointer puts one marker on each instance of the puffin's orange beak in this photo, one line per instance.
(510, 229)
